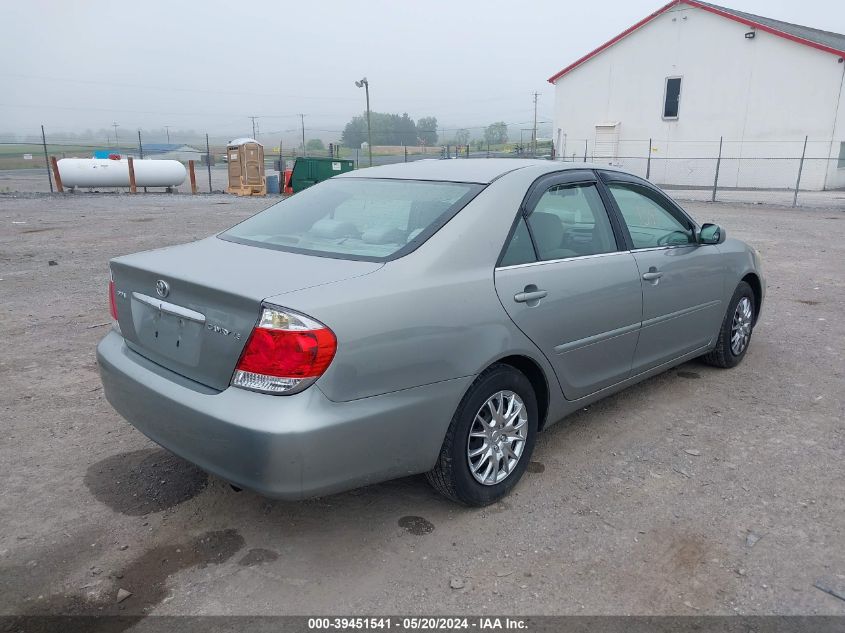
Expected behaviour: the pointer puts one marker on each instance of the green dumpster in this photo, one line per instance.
(309, 171)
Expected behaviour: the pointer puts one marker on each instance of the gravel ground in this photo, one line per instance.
(700, 491)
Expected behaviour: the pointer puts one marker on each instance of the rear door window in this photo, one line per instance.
(571, 221)
(520, 250)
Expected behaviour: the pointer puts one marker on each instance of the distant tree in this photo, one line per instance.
(462, 136)
(355, 132)
(405, 130)
(388, 129)
(315, 145)
(478, 143)
(382, 128)
(496, 133)
(427, 130)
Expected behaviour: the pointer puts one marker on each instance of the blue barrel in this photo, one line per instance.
(273, 183)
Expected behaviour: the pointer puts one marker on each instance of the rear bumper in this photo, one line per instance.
(287, 447)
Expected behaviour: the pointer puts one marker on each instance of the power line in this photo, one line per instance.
(438, 129)
(193, 115)
(172, 88)
(167, 88)
(226, 114)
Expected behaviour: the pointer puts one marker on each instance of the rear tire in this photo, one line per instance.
(735, 333)
(500, 411)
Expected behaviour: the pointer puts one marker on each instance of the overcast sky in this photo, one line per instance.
(208, 65)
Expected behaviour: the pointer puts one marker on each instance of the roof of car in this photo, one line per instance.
(478, 170)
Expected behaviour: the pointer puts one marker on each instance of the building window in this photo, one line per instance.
(672, 98)
(841, 163)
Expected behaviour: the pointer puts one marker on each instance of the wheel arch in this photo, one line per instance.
(536, 376)
(753, 280)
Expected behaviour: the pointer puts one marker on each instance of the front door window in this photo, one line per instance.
(651, 221)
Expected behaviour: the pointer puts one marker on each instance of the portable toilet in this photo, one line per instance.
(245, 158)
(310, 170)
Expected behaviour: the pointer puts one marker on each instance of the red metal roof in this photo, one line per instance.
(775, 27)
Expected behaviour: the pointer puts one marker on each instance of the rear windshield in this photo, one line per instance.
(356, 218)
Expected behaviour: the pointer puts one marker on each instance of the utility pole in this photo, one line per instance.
(253, 126)
(366, 85)
(115, 126)
(167, 129)
(534, 132)
(302, 121)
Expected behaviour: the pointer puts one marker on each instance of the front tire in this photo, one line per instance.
(735, 333)
(490, 440)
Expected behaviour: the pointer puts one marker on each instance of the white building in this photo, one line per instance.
(691, 73)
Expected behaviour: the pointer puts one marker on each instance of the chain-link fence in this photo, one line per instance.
(27, 167)
(803, 171)
(778, 172)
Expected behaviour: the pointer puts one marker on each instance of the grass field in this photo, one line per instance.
(12, 155)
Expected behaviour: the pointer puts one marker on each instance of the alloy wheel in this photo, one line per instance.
(741, 326)
(497, 438)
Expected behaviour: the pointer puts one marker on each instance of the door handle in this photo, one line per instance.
(529, 296)
(652, 275)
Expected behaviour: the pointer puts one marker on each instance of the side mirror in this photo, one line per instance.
(711, 234)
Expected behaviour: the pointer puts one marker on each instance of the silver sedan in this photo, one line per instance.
(430, 317)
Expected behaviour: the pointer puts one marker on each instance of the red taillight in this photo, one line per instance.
(285, 353)
(288, 354)
(112, 300)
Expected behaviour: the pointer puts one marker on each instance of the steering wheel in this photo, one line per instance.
(665, 240)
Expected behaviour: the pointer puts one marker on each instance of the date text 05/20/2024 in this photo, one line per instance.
(417, 623)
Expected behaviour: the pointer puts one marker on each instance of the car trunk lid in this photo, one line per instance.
(191, 308)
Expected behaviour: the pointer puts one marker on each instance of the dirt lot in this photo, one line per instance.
(699, 491)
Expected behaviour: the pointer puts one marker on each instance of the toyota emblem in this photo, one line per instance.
(162, 288)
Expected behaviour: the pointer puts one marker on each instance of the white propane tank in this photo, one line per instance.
(103, 172)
